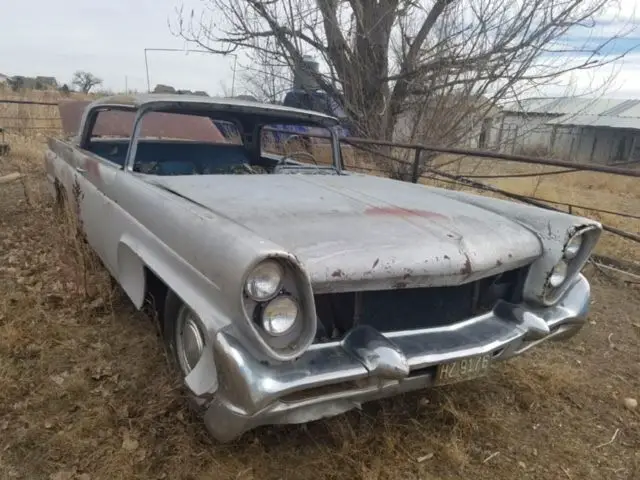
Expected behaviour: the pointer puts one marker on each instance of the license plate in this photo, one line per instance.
(463, 369)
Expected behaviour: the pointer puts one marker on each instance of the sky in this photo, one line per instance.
(42, 37)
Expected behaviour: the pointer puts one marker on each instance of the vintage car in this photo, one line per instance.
(290, 289)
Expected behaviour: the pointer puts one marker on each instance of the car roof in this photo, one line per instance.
(178, 102)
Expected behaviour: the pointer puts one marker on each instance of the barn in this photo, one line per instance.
(583, 130)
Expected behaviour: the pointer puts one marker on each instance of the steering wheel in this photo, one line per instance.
(292, 154)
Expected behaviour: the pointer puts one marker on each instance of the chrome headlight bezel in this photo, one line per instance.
(296, 284)
(572, 258)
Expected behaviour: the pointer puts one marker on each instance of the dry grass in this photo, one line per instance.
(87, 393)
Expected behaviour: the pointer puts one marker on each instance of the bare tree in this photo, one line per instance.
(85, 81)
(385, 59)
(264, 79)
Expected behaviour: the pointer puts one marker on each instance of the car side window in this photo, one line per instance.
(110, 135)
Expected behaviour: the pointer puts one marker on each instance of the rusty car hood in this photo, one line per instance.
(359, 231)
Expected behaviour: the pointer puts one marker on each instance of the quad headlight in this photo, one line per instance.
(553, 274)
(265, 281)
(572, 248)
(279, 315)
(558, 274)
(276, 309)
(277, 302)
(568, 265)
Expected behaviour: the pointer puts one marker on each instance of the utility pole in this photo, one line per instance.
(126, 85)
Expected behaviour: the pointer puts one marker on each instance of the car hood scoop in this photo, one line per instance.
(357, 231)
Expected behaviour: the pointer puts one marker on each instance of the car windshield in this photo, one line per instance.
(204, 143)
(298, 145)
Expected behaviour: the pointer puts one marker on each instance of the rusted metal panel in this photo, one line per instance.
(155, 124)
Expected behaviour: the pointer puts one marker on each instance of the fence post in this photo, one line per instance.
(415, 173)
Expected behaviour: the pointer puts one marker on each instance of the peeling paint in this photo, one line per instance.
(337, 273)
(466, 269)
(375, 264)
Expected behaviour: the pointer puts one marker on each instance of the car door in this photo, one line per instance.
(95, 179)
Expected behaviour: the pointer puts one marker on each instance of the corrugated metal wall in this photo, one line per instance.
(513, 133)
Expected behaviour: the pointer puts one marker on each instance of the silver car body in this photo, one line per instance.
(343, 232)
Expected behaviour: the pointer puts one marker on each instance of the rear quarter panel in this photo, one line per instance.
(60, 164)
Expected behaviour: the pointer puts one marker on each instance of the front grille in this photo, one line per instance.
(414, 308)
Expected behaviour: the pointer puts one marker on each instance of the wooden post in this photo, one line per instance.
(415, 174)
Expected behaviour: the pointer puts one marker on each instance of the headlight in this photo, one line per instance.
(264, 281)
(572, 248)
(279, 315)
(558, 274)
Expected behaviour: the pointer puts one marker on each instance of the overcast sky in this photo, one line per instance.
(45, 37)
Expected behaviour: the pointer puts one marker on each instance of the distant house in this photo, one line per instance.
(46, 82)
(584, 130)
(160, 88)
(33, 83)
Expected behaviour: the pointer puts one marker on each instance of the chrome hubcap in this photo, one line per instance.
(189, 340)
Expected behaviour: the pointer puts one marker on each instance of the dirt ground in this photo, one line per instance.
(87, 392)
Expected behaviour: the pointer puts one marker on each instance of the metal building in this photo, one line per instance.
(584, 130)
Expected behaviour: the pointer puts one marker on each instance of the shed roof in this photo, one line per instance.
(565, 106)
(600, 121)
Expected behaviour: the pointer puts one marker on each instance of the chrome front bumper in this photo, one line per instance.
(331, 378)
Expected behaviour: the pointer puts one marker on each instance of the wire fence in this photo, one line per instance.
(29, 102)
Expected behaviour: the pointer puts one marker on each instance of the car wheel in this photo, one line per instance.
(183, 334)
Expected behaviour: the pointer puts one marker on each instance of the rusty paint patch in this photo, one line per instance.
(337, 273)
(403, 212)
(466, 269)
